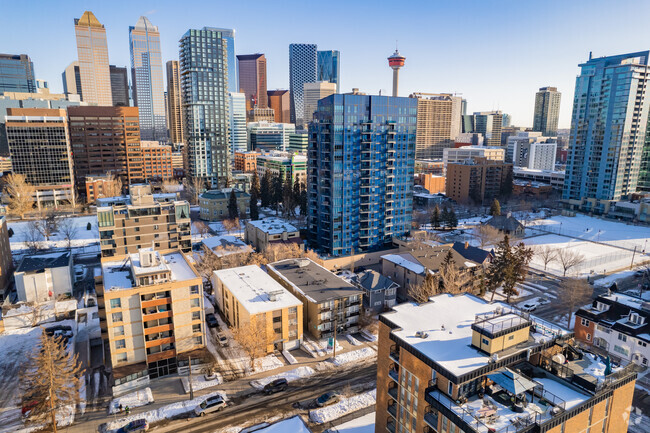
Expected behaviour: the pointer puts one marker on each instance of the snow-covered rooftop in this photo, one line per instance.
(273, 226)
(293, 425)
(226, 245)
(400, 260)
(118, 275)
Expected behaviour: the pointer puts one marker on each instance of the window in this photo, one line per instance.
(121, 357)
(194, 290)
(120, 344)
(196, 315)
(511, 337)
(621, 350)
(622, 337)
(198, 340)
(116, 303)
(588, 337)
(584, 322)
(194, 303)
(450, 388)
(118, 331)
(642, 343)
(117, 317)
(485, 341)
(196, 328)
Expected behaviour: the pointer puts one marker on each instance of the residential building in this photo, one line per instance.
(299, 142)
(303, 65)
(329, 302)
(430, 166)
(438, 123)
(175, 118)
(128, 224)
(156, 161)
(608, 128)
(379, 292)
(72, 80)
(553, 178)
(289, 165)
(329, 67)
(214, 204)
(509, 131)
(6, 261)
(280, 103)
(5, 164)
(258, 114)
(271, 230)
(312, 93)
(96, 186)
(205, 91)
(106, 140)
(40, 150)
(178, 162)
(252, 80)
(547, 111)
(17, 73)
(237, 123)
(92, 51)
(531, 189)
(461, 154)
(241, 181)
(360, 184)
(531, 150)
(479, 180)
(433, 183)
(269, 136)
(247, 293)
(119, 86)
(222, 246)
(151, 313)
(44, 277)
(474, 254)
(147, 78)
(507, 224)
(486, 123)
(246, 161)
(460, 363)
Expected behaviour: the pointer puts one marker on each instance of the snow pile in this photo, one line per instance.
(364, 424)
(353, 341)
(368, 335)
(343, 407)
(596, 366)
(269, 362)
(355, 355)
(141, 397)
(199, 383)
(289, 357)
(293, 425)
(291, 375)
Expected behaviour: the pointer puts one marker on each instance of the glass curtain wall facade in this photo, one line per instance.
(547, 111)
(92, 50)
(302, 69)
(17, 73)
(360, 172)
(252, 80)
(238, 139)
(119, 86)
(329, 67)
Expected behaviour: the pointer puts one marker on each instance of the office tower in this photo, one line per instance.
(477, 180)
(299, 141)
(147, 79)
(17, 73)
(302, 69)
(237, 122)
(40, 150)
(396, 62)
(289, 166)
(360, 183)
(314, 92)
(505, 122)
(106, 140)
(329, 67)
(608, 128)
(6, 262)
(205, 101)
(92, 51)
(175, 117)
(438, 124)
(547, 111)
(72, 80)
(252, 80)
(487, 123)
(281, 105)
(531, 150)
(156, 161)
(119, 86)
(269, 135)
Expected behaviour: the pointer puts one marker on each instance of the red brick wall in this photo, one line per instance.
(584, 334)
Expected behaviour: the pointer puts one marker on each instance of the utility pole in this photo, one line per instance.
(633, 254)
(336, 320)
(189, 360)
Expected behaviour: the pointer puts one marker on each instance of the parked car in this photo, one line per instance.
(529, 307)
(209, 405)
(222, 339)
(211, 320)
(276, 386)
(328, 398)
(135, 426)
(79, 272)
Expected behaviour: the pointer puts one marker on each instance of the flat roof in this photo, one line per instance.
(39, 262)
(312, 280)
(256, 290)
(273, 226)
(226, 245)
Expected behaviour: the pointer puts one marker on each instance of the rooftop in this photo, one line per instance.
(273, 226)
(223, 194)
(256, 290)
(226, 245)
(373, 280)
(38, 262)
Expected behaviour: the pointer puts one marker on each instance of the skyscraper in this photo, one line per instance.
(547, 111)
(17, 73)
(175, 118)
(119, 86)
(92, 50)
(608, 128)
(205, 58)
(279, 102)
(360, 184)
(487, 123)
(237, 122)
(147, 79)
(302, 69)
(252, 79)
(314, 92)
(72, 80)
(329, 67)
(438, 124)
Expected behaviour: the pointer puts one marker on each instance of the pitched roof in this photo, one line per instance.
(474, 254)
(44, 261)
(372, 280)
(428, 258)
(616, 313)
(504, 222)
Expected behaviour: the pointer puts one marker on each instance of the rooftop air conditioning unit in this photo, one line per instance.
(421, 334)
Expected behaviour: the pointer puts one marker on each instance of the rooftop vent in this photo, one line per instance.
(275, 295)
(148, 258)
(301, 263)
(421, 334)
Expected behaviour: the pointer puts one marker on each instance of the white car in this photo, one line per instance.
(79, 272)
(209, 405)
(529, 307)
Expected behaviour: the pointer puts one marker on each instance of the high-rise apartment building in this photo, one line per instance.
(281, 105)
(547, 111)
(477, 180)
(92, 51)
(205, 58)
(175, 117)
(302, 69)
(147, 79)
(72, 80)
(439, 123)
(119, 86)
(360, 184)
(269, 135)
(314, 92)
(329, 67)
(237, 123)
(487, 123)
(531, 150)
(252, 79)
(608, 128)
(17, 73)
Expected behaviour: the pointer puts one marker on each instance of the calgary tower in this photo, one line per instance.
(396, 61)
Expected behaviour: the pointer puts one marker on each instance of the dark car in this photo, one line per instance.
(328, 398)
(211, 320)
(135, 426)
(276, 386)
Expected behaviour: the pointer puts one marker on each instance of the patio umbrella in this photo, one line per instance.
(512, 382)
(608, 366)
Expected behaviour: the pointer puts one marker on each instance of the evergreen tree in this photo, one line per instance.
(495, 208)
(435, 217)
(449, 258)
(506, 188)
(277, 191)
(296, 193)
(233, 211)
(453, 220)
(265, 189)
(509, 267)
(255, 195)
(303, 200)
(445, 217)
(288, 203)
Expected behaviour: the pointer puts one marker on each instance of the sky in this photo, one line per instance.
(496, 54)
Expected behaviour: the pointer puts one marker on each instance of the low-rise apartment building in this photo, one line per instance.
(98, 186)
(477, 180)
(214, 204)
(246, 161)
(329, 302)
(248, 293)
(44, 277)
(262, 233)
(156, 161)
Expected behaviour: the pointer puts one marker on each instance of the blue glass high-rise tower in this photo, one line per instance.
(17, 73)
(360, 172)
(329, 67)
(302, 69)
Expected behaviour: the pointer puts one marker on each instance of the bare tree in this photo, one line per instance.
(69, 230)
(231, 224)
(33, 235)
(112, 186)
(169, 186)
(50, 380)
(423, 291)
(573, 292)
(569, 259)
(49, 225)
(36, 314)
(487, 235)
(452, 279)
(254, 337)
(546, 253)
(202, 228)
(20, 194)
(192, 188)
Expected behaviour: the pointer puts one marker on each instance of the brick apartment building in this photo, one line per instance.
(246, 161)
(477, 180)
(156, 161)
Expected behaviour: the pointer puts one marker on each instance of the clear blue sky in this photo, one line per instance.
(496, 53)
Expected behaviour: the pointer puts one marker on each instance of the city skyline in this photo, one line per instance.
(514, 73)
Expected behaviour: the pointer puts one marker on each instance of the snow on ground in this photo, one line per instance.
(291, 375)
(218, 228)
(368, 335)
(363, 424)
(141, 397)
(610, 279)
(267, 363)
(83, 238)
(355, 355)
(353, 341)
(343, 407)
(199, 383)
(291, 425)
(499, 296)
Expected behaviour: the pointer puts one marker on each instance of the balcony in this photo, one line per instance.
(394, 353)
(431, 420)
(392, 409)
(391, 427)
(394, 372)
(392, 391)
